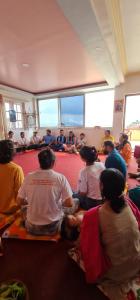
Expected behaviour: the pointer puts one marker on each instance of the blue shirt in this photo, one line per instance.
(116, 161)
(49, 139)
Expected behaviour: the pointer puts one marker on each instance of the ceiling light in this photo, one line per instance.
(25, 65)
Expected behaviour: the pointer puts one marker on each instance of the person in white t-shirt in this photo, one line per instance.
(89, 179)
(22, 142)
(81, 141)
(35, 139)
(46, 194)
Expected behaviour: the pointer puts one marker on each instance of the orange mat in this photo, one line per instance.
(18, 231)
(7, 220)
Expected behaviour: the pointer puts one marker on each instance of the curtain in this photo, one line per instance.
(3, 127)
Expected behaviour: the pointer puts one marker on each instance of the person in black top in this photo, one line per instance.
(61, 140)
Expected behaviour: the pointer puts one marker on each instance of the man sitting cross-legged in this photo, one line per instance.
(48, 196)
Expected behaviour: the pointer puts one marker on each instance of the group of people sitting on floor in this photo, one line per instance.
(60, 143)
(70, 144)
(108, 225)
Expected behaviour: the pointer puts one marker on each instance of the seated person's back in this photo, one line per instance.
(46, 191)
(89, 183)
(11, 177)
(114, 159)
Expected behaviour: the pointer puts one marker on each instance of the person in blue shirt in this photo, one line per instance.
(114, 159)
(49, 139)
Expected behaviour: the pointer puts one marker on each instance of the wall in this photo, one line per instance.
(94, 135)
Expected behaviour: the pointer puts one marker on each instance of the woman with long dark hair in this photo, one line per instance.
(110, 239)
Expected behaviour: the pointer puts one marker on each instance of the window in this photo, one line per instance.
(72, 111)
(18, 109)
(89, 110)
(99, 108)
(132, 119)
(48, 112)
(7, 108)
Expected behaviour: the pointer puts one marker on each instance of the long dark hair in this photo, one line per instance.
(112, 188)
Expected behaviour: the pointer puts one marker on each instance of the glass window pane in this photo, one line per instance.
(48, 112)
(7, 114)
(15, 107)
(99, 109)
(19, 118)
(132, 119)
(7, 106)
(72, 111)
(132, 111)
(18, 108)
(20, 124)
(16, 123)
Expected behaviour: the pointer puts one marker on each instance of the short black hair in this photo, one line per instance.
(82, 133)
(6, 151)
(22, 132)
(48, 130)
(10, 132)
(124, 136)
(109, 144)
(107, 130)
(89, 154)
(46, 158)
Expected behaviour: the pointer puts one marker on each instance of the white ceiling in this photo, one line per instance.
(68, 43)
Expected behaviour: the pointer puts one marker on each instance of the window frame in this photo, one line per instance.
(59, 108)
(124, 111)
(104, 90)
(12, 106)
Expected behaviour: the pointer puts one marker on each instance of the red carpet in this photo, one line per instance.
(67, 164)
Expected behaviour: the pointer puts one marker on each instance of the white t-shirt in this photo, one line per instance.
(45, 191)
(23, 142)
(82, 142)
(89, 180)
